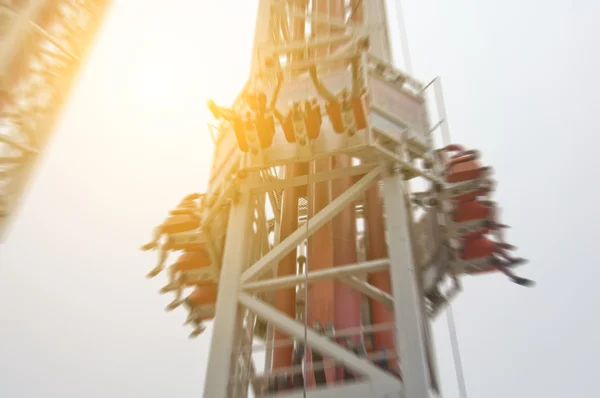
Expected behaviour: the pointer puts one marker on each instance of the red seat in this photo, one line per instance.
(187, 246)
(185, 207)
(473, 195)
(193, 260)
(465, 171)
(470, 211)
(313, 118)
(180, 223)
(202, 295)
(478, 248)
(334, 111)
(360, 114)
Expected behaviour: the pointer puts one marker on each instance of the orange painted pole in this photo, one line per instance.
(320, 302)
(347, 301)
(285, 299)
(377, 249)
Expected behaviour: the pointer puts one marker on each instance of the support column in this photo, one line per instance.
(347, 301)
(410, 344)
(377, 249)
(226, 320)
(285, 299)
(320, 300)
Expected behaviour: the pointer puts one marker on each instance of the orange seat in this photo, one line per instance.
(186, 246)
(180, 223)
(203, 295)
(465, 171)
(462, 158)
(453, 148)
(360, 114)
(193, 260)
(476, 234)
(334, 111)
(313, 118)
(480, 247)
(470, 211)
(185, 207)
(287, 125)
(470, 196)
(239, 129)
(265, 128)
(484, 270)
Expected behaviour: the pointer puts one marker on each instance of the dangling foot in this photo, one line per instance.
(155, 239)
(197, 332)
(168, 288)
(190, 319)
(515, 262)
(522, 281)
(506, 246)
(149, 246)
(174, 304)
(154, 272)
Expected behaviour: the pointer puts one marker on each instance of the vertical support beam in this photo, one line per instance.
(320, 8)
(410, 344)
(261, 34)
(337, 11)
(347, 301)
(285, 299)
(226, 322)
(358, 11)
(247, 353)
(377, 249)
(270, 335)
(234, 380)
(299, 26)
(320, 300)
(375, 19)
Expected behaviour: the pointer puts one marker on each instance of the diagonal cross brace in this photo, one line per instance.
(369, 290)
(313, 224)
(314, 276)
(318, 342)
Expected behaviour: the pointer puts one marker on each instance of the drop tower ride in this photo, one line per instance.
(309, 236)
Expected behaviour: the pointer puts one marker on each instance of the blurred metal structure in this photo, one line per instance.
(309, 237)
(42, 45)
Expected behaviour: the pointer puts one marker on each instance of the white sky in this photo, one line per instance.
(77, 316)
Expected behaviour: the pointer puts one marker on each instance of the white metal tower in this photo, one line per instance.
(382, 151)
(308, 203)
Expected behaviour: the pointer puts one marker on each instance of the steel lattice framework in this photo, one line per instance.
(42, 45)
(309, 236)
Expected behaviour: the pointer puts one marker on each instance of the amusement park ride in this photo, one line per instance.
(308, 236)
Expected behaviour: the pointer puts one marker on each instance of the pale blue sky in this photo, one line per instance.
(78, 318)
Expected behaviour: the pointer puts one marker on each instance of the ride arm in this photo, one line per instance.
(220, 112)
(320, 87)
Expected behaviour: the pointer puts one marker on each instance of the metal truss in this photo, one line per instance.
(247, 283)
(42, 45)
(353, 117)
(245, 302)
(377, 130)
